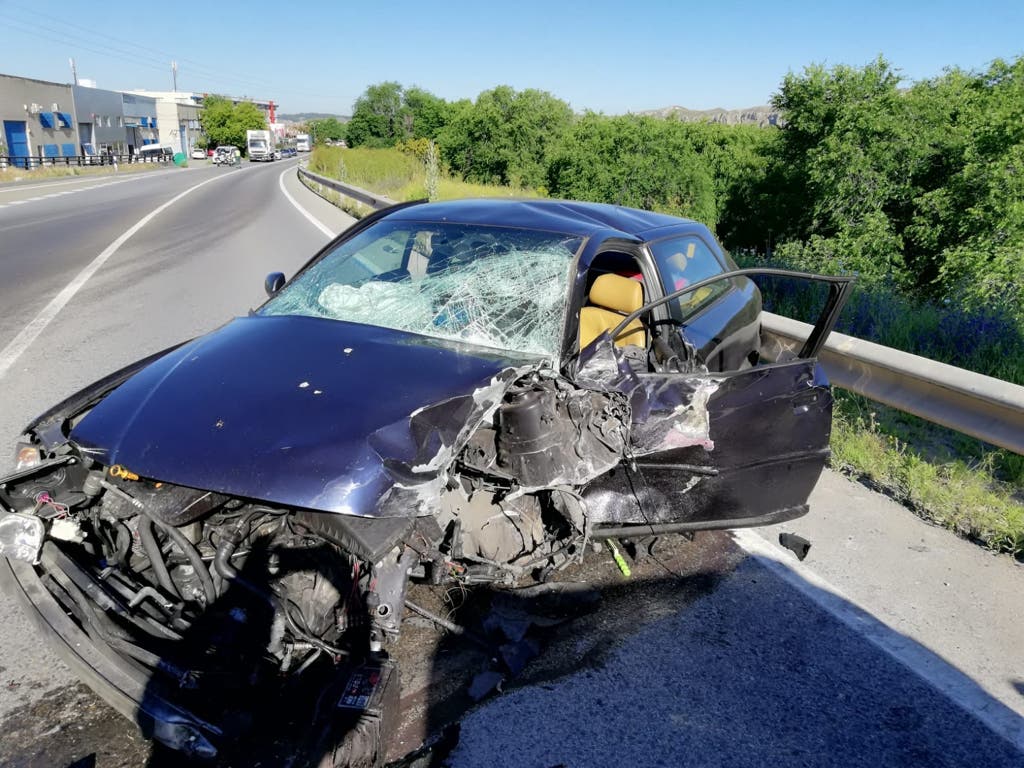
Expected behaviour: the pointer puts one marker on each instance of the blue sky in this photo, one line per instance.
(612, 57)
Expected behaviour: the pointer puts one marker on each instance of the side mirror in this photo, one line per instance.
(273, 283)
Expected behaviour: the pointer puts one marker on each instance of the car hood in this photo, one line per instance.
(303, 412)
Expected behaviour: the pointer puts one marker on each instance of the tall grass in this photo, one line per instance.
(384, 171)
(398, 175)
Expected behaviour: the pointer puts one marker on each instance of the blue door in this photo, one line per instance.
(17, 141)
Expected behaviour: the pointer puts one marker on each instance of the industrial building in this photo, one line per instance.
(38, 118)
(51, 120)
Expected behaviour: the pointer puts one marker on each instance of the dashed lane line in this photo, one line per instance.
(92, 186)
(20, 188)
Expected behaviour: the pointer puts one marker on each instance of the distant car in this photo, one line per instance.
(288, 152)
(459, 393)
(198, 153)
(277, 154)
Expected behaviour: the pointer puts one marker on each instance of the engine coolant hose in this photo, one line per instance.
(156, 558)
(222, 564)
(194, 559)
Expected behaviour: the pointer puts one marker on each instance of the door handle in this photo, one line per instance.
(803, 402)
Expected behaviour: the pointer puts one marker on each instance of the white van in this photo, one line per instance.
(152, 153)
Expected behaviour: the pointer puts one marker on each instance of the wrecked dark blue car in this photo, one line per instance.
(458, 393)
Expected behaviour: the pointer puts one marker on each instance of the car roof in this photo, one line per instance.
(565, 216)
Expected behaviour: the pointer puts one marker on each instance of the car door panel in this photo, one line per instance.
(712, 450)
(769, 429)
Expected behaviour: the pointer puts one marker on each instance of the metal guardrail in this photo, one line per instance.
(84, 161)
(980, 406)
(356, 193)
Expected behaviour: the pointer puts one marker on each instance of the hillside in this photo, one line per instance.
(301, 117)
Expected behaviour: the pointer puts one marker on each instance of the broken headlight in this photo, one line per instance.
(26, 456)
(21, 537)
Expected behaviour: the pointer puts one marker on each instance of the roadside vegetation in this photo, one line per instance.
(400, 174)
(915, 187)
(944, 477)
(225, 123)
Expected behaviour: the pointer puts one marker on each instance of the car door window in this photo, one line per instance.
(684, 261)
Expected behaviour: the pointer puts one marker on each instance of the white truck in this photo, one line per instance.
(302, 142)
(259, 146)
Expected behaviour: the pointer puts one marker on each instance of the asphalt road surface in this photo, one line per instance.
(892, 644)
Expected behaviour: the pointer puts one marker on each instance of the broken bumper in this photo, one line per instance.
(123, 685)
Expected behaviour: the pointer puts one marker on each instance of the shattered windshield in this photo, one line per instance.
(496, 287)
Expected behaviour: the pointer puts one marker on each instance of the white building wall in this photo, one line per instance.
(167, 124)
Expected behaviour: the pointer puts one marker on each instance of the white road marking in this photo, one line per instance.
(309, 216)
(113, 179)
(103, 185)
(19, 188)
(930, 667)
(28, 334)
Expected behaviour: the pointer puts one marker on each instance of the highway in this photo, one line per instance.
(894, 643)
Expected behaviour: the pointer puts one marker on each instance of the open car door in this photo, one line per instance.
(724, 449)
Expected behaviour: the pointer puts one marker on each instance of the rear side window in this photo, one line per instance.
(684, 261)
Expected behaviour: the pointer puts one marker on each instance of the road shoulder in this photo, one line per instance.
(327, 214)
(949, 595)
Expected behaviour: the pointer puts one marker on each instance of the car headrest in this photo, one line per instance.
(441, 255)
(620, 294)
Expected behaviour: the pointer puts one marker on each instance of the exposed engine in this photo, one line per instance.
(177, 579)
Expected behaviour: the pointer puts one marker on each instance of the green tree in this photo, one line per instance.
(851, 145)
(327, 128)
(980, 210)
(506, 137)
(378, 118)
(225, 123)
(387, 114)
(736, 157)
(424, 113)
(919, 186)
(642, 162)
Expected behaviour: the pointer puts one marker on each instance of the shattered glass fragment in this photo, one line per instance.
(504, 289)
